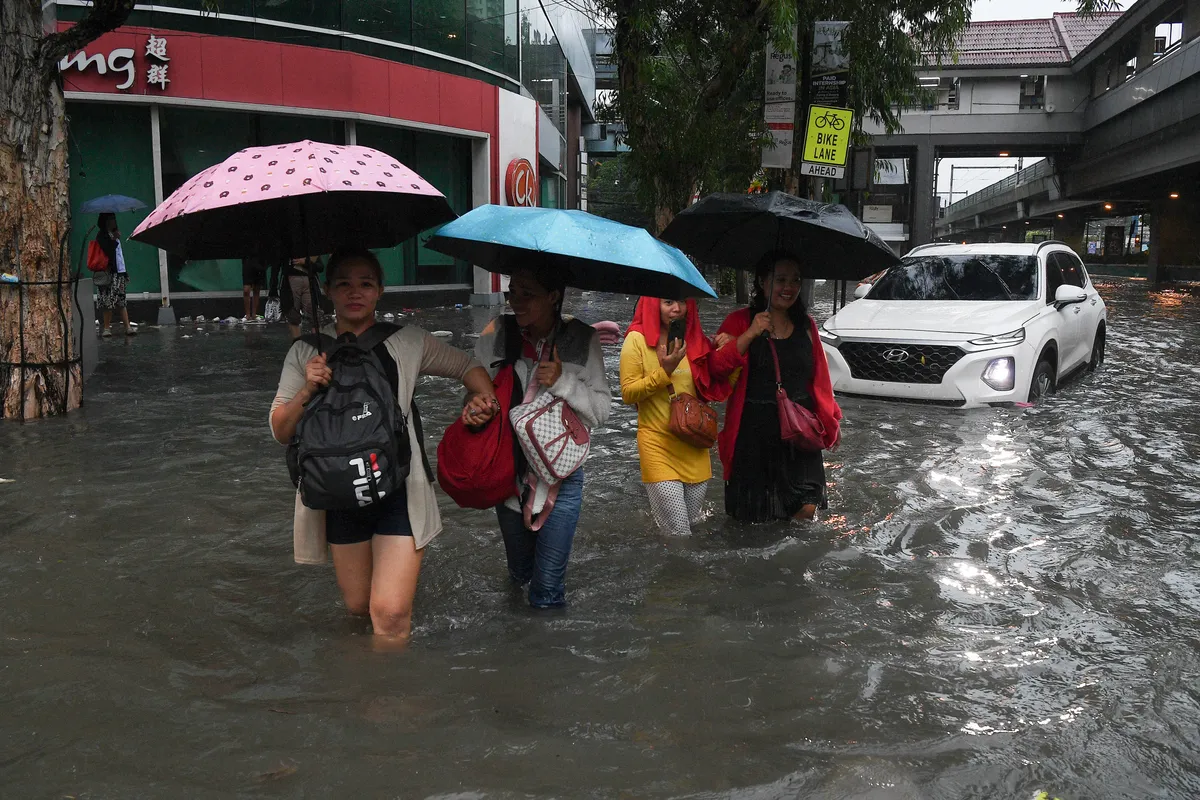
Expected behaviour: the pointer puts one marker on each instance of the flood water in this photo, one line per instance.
(998, 602)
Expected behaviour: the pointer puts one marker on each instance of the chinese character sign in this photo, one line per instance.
(156, 74)
(156, 47)
(121, 62)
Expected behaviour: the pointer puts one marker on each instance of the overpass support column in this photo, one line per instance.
(924, 179)
(1191, 20)
(1070, 229)
(1174, 236)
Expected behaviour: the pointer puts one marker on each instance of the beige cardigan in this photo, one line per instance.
(416, 353)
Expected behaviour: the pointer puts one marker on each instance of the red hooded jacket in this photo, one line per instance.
(647, 319)
(724, 362)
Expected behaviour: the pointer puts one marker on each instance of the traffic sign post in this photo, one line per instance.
(826, 141)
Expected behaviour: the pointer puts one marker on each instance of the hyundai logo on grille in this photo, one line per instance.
(896, 355)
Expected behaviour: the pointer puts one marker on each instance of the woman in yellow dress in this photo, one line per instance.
(675, 473)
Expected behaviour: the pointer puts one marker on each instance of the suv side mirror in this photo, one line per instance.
(861, 290)
(1068, 295)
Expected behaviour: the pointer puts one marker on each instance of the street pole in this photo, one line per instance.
(795, 183)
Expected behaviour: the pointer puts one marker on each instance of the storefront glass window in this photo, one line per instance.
(551, 190)
(483, 32)
(193, 140)
(492, 34)
(380, 19)
(444, 161)
(543, 66)
(110, 153)
(440, 26)
(398, 261)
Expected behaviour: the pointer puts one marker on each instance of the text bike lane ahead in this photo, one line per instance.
(826, 141)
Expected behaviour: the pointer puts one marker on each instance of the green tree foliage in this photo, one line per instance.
(690, 75)
(613, 192)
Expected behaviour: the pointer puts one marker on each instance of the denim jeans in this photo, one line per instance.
(540, 559)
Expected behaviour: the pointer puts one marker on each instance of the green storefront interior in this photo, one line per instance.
(111, 153)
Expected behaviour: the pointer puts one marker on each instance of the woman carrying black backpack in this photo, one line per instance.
(377, 549)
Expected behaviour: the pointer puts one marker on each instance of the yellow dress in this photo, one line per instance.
(664, 456)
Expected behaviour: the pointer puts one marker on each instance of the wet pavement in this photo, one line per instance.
(999, 602)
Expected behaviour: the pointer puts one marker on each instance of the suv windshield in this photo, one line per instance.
(960, 277)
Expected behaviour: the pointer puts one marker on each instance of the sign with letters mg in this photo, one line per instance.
(826, 141)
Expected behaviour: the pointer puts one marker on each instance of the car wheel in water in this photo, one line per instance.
(1097, 352)
(1042, 384)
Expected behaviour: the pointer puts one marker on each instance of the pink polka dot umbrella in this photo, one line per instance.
(294, 200)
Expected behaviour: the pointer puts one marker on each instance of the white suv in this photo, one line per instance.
(969, 325)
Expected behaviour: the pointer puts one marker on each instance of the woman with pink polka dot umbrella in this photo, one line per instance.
(345, 399)
(293, 201)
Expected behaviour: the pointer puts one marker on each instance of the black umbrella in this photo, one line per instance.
(739, 230)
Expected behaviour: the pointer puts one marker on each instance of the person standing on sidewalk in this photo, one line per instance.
(300, 311)
(254, 275)
(112, 295)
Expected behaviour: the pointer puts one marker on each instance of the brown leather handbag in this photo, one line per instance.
(692, 420)
(798, 426)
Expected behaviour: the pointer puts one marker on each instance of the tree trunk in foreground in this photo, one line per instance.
(36, 376)
(34, 214)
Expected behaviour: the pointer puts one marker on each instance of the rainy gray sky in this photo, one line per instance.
(1022, 9)
(973, 174)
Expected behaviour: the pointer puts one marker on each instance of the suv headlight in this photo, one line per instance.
(829, 337)
(1001, 374)
(1001, 340)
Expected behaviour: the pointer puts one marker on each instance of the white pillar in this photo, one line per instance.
(351, 131)
(481, 195)
(166, 316)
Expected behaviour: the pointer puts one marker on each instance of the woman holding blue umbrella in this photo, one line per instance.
(564, 359)
(546, 250)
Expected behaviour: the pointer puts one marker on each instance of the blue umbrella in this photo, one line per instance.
(595, 254)
(111, 204)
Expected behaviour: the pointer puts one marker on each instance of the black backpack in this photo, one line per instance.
(351, 447)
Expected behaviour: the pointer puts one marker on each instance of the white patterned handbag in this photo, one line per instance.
(554, 439)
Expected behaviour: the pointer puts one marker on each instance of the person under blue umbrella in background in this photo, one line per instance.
(112, 293)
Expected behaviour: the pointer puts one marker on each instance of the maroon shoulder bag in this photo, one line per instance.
(798, 426)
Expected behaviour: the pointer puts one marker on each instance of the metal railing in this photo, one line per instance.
(1042, 169)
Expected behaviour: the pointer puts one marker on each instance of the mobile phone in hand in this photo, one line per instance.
(676, 330)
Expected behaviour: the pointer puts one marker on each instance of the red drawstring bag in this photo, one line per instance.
(97, 259)
(479, 469)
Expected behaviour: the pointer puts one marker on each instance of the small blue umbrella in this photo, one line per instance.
(594, 253)
(111, 204)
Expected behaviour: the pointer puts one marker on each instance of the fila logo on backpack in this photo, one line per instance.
(351, 447)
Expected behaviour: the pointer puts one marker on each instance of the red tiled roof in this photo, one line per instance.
(1078, 32)
(1030, 42)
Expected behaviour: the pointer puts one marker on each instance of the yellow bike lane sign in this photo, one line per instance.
(826, 141)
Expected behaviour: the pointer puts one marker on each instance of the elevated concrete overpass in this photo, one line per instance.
(1113, 103)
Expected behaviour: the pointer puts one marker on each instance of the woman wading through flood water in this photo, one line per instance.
(767, 478)
(377, 551)
(655, 367)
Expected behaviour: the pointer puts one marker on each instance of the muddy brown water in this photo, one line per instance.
(999, 602)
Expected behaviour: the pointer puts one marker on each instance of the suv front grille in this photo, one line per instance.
(899, 363)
